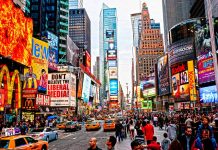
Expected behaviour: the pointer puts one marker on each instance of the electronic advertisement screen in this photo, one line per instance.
(208, 94)
(86, 88)
(113, 87)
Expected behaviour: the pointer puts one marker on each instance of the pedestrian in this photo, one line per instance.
(135, 145)
(165, 144)
(118, 131)
(132, 129)
(148, 131)
(93, 144)
(154, 145)
(140, 137)
(175, 145)
(111, 142)
(187, 139)
(171, 129)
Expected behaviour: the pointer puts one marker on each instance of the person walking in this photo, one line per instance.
(171, 129)
(111, 142)
(187, 140)
(118, 131)
(93, 144)
(148, 131)
(165, 144)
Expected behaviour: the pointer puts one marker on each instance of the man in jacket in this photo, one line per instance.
(148, 132)
(187, 139)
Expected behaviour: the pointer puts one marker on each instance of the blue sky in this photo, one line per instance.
(125, 40)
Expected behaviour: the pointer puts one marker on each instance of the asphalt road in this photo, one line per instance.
(79, 140)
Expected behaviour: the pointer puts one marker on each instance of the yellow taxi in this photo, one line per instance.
(61, 125)
(109, 124)
(22, 142)
(92, 125)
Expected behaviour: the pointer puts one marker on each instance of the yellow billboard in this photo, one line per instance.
(191, 77)
(36, 76)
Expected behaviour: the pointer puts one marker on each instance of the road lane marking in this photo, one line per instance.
(66, 136)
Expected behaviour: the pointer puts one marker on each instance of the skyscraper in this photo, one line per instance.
(174, 11)
(75, 4)
(151, 45)
(108, 55)
(80, 30)
(24, 5)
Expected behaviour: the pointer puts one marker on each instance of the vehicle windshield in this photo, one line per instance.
(108, 121)
(38, 130)
(4, 143)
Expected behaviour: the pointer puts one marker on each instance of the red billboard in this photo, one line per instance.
(88, 61)
(15, 33)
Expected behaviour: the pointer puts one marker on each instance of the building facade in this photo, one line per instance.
(108, 56)
(151, 45)
(174, 11)
(24, 5)
(96, 68)
(75, 4)
(80, 31)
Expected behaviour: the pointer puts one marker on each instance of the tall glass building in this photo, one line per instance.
(108, 56)
(75, 4)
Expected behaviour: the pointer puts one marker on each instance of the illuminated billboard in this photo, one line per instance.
(113, 87)
(109, 33)
(53, 49)
(112, 63)
(208, 94)
(113, 72)
(88, 61)
(147, 104)
(36, 76)
(111, 54)
(15, 33)
(80, 85)
(163, 76)
(86, 88)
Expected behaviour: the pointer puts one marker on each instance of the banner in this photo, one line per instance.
(111, 54)
(59, 88)
(80, 85)
(191, 76)
(36, 76)
(16, 32)
(86, 88)
(208, 94)
(113, 73)
(163, 76)
(112, 63)
(73, 90)
(113, 87)
(43, 100)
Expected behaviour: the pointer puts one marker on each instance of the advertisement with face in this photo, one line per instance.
(36, 76)
(180, 82)
(113, 87)
(53, 50)
(163, 76)
(73, 90)
(80, 86)
(86, 88)
(113, 72)
(16, 32)
(88, 61)
(208, 94)
(59, 88)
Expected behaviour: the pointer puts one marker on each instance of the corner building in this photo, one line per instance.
(150, 47)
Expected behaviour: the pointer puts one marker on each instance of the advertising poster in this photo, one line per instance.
(112, 63)
(180, 82)
(28, 116)
(147, 105)
(88, 61)
(113, 87)
(163, 76)
(43, 100)
(36, 76)
(72, 52)
(28, 104)
(53, 50)
(80, 86)
(73, 90)
(59, 88)
(208, 94)
(16, 32)
(109, 33)
(191, 76)
(148, 87)
(111, 54)
(2, 98)
(149, 92)
(204, 55)
(86, 88)
(113, 98)
(113, 73)
(111, 45)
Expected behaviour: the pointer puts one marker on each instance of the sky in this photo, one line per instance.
(125, 36)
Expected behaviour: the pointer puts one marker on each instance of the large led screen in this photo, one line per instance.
(113, 87)
(86, 88)
(148, 87)
(163, 76)
(15, 33)
(208, 94)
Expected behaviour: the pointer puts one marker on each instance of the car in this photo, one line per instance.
(46, 134)
(109, 124)
(72, 126)
(22, 142)
(61, 125)
(92, 125)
